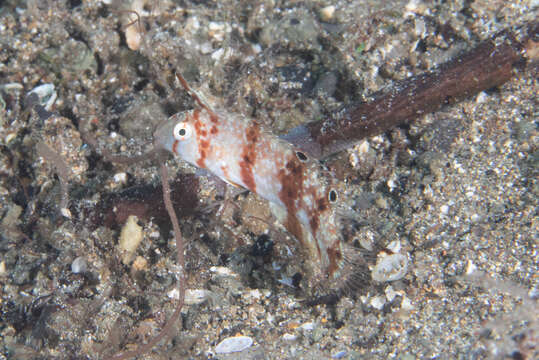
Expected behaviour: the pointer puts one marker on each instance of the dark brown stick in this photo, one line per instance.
(490, 64)
(167, 329)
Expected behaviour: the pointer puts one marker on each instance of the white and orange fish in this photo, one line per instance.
(242, 153)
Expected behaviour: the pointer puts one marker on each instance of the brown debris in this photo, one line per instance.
(488, 65)
(146, 202)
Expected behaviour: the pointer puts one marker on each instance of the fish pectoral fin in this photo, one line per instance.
(233, 183)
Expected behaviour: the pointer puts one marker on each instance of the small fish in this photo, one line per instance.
(242, 153)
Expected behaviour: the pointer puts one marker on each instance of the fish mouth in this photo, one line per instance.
(163, 138)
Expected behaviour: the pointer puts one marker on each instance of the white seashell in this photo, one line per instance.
(233, 344)
(46, 94)
(390, 268)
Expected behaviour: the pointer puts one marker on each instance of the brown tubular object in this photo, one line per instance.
(488, 65)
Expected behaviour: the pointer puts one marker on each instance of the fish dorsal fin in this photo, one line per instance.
(198, 98)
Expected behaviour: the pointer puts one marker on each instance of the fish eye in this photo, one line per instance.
(301, 156)
(181, 131)
(332, 196)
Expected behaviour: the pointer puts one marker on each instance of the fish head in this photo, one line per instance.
(178, 136)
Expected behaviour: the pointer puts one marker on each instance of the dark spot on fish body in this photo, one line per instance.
(296, 169)
(294, 226)
(249, 156)
(321, 204)
(292, 179)
(252, 134)
(248, 159)
(314, 222)
(214, 130)
(203, 149)
(201, 134)
(335, 257)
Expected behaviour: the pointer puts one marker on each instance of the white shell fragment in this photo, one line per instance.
(130, 238)
(196, 296)
(233, 344)
(133, 37)
(79, 266)
(327, 13)
(46, 95)
(390, 268)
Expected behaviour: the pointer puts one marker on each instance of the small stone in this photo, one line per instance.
(65, 212)
(130, 238)
(406, 304)
(481, 97)
(217, 30)
(252, 294)
(470, 268)
(394, 246)
(233, 344)
(133, 36)
(120, 178)
(289, 337)
(390, 293)
(3, 269)
(222, 271)
(339, 355)
(12, 216)
(196, 296)
(327, 13)
(79, 266)
(378, 302)
(10, 137)
(140, 264)
(309, 326)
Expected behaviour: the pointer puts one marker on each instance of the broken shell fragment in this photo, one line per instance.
(46, 95)
(79, 266)
(390, 268)
(133, 37)
(233, 344)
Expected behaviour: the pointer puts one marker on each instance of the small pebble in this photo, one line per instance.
(327, 13)
(470, 268)
(289, 337)
(390, 293)
(79, 266)
(406, 304)
(65, 212)
(378, 302)
(394, 246)
(196, 296)
(12, 216)
(140, 264)
(120, 177)
(223, 271)
(130, 238)
(233, 344)
(339, 355)
(308, 326)
(133, 38)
